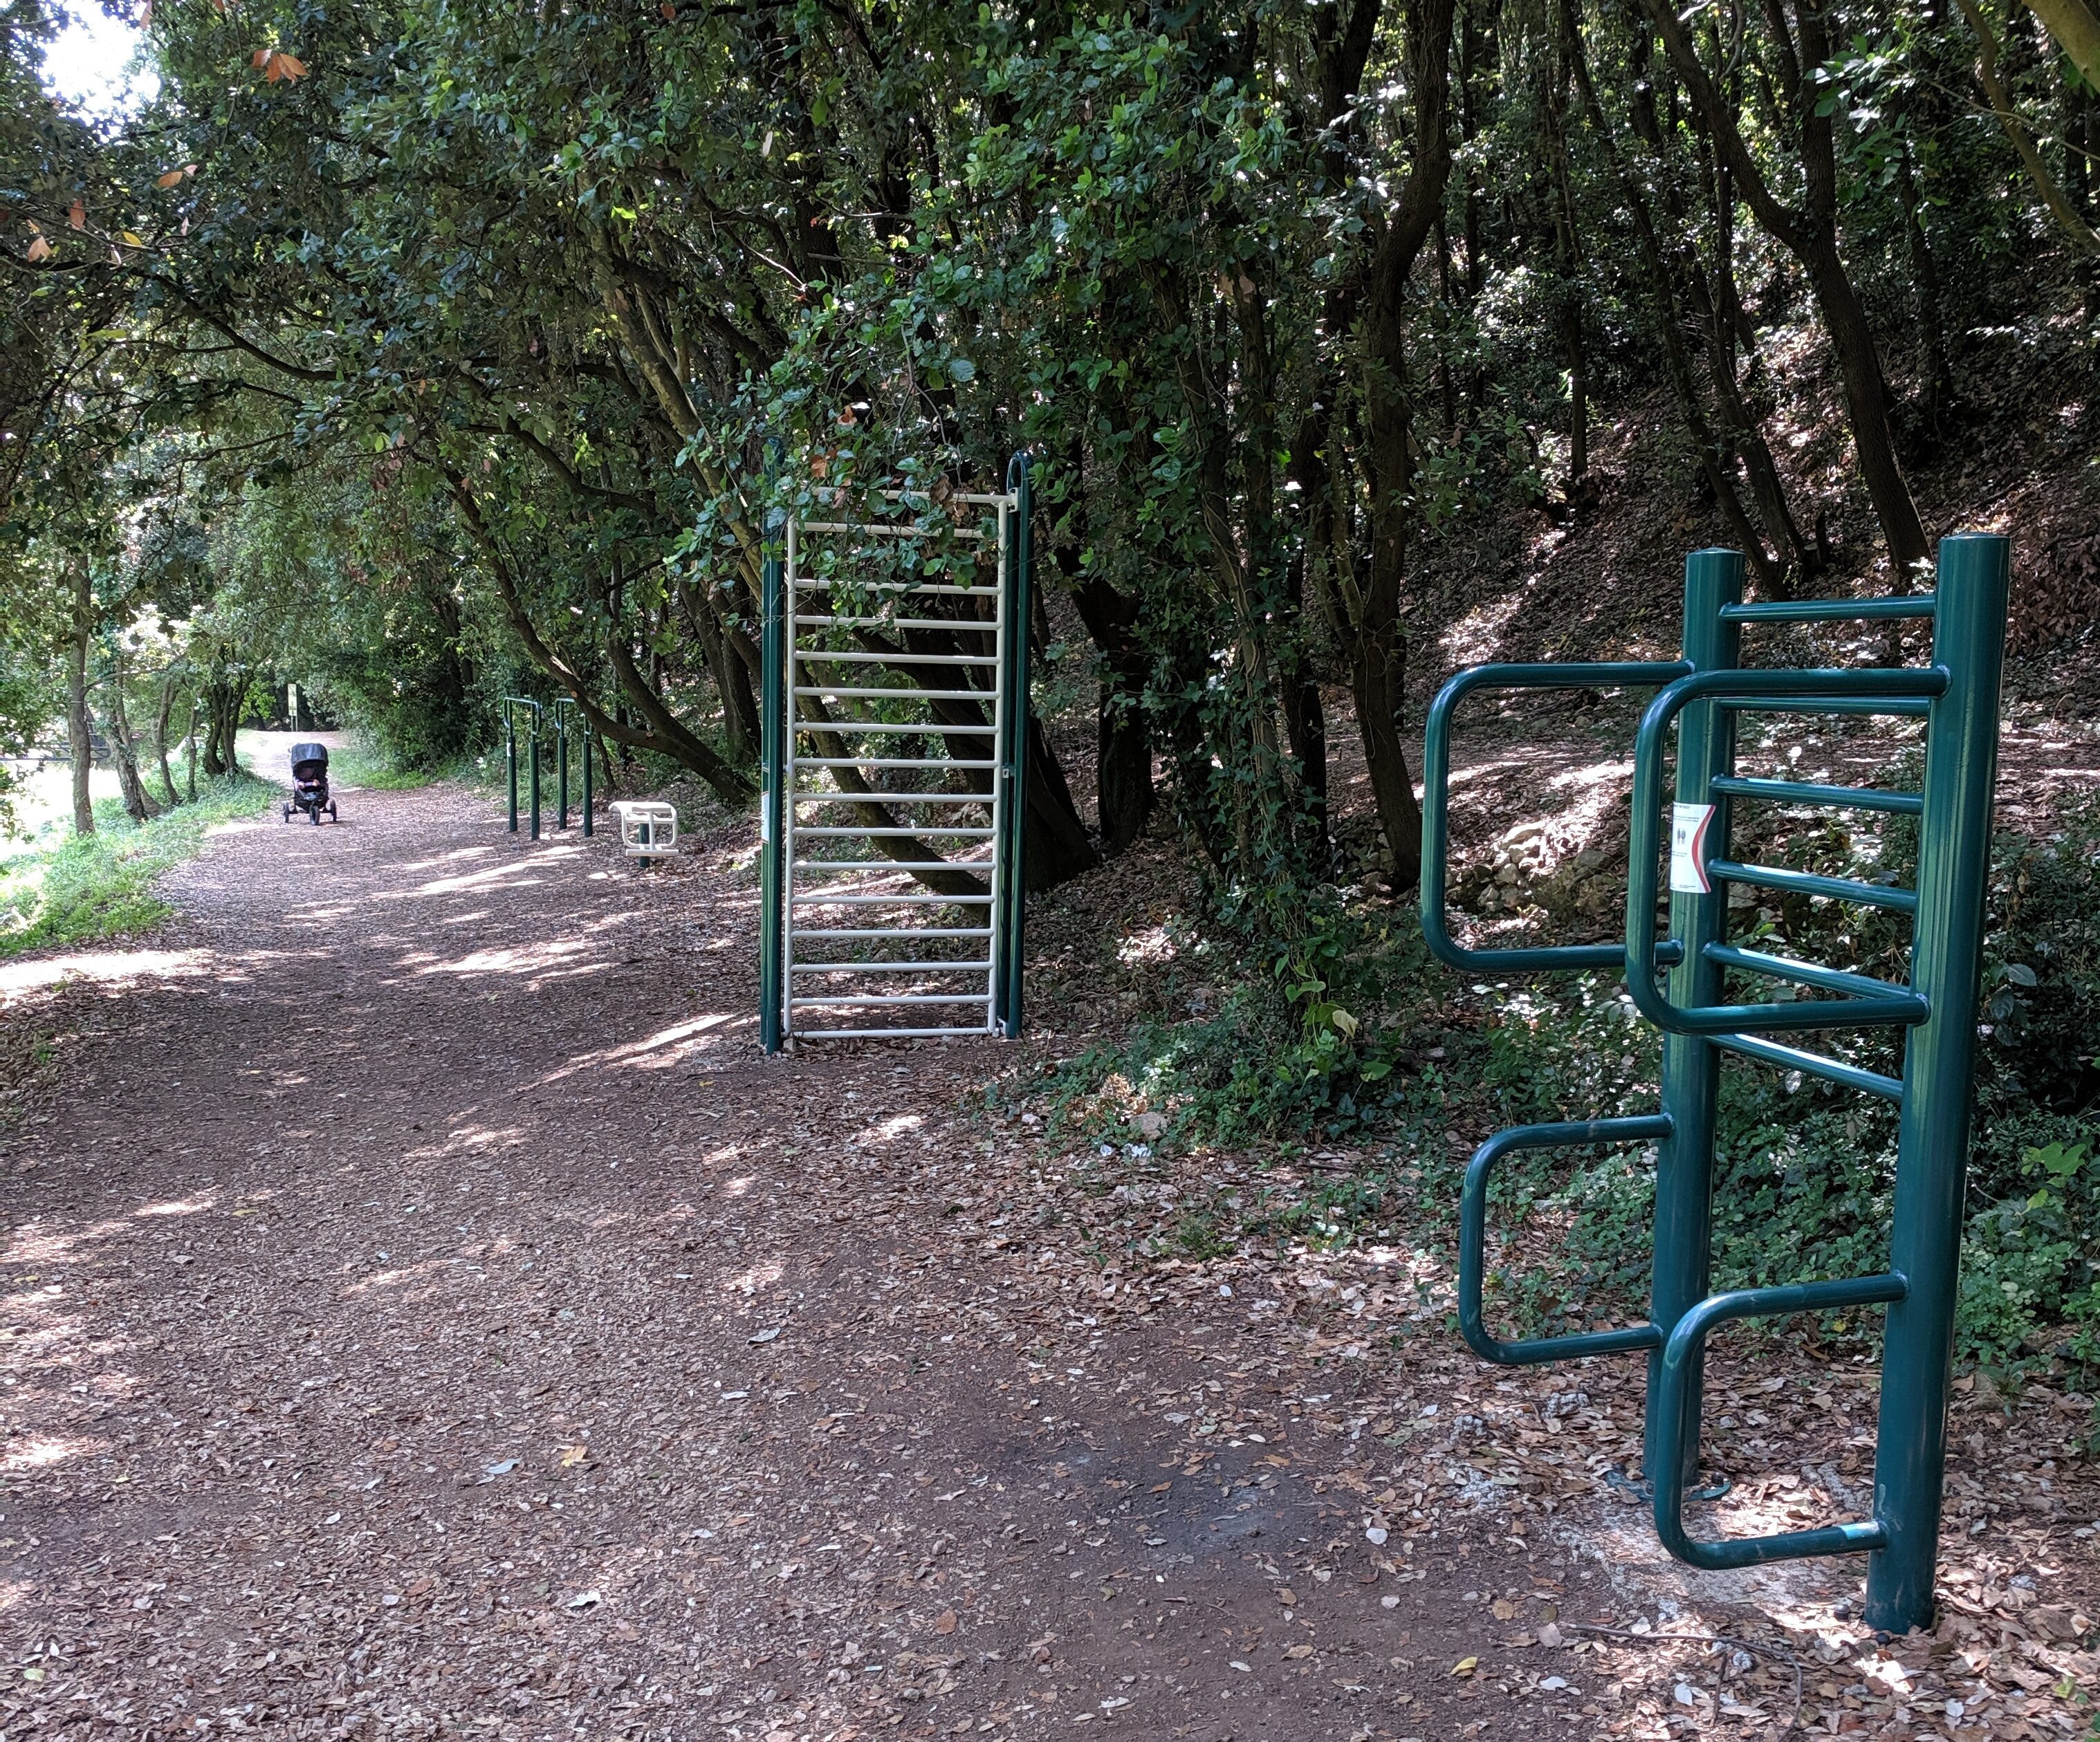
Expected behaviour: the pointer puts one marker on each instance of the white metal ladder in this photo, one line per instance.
(842, 916)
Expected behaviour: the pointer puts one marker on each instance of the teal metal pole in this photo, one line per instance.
(1932, 1142)
(773, 755)
(510, 760)
(1691, 1065)
(584, 742)
(1020, 602)
(560, 770)
(533, 744)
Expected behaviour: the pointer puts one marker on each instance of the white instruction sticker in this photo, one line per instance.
(1689, 824)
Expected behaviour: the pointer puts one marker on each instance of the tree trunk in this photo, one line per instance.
(79, 733)
(740, 721)
(1055, 845)
(1809, 232)
(125, 753)
(163, 712)
(1377, 650)
(1123, 736)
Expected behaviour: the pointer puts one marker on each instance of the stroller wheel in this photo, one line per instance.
(288, 812)
(316, 814)
(332, 817)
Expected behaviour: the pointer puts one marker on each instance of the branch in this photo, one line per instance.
(2021, 133)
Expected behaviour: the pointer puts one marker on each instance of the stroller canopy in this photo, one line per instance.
(302, 754)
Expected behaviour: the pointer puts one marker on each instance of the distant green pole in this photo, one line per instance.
(560, 770)
(584, 738)
(772, 753)
(510, 760)
(534, 743)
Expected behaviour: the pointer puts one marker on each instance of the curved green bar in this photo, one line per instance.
(1473, 1240)
(1436, 807)
(1671, 1391)
(1871, 688)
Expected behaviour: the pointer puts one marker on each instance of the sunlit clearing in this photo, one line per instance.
(103, 966)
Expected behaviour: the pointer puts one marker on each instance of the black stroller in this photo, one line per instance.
(310, 787)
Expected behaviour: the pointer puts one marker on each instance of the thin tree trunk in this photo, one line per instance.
(163, 711)
(79, 731)
(1809, 232)
(1925, 275)
(124, 752)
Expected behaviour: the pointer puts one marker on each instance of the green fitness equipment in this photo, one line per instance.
(783, 584)
(1678, 981)
(510, 704)
(562, 707)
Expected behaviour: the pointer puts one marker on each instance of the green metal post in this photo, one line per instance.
(1932, 1142)
(1018, 605)
(584, 738)
(773, 754)
(533, 742)
(1691, 1064)
(560, 770)
(510, 760)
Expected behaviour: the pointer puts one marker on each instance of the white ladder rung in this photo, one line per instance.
(887, 998)
(842, 692)
(891, 1034)
(932, 828)
(825, 898)
(983, 625)
(898, 658)
(886, 967)
(803, 933)
(887, 762)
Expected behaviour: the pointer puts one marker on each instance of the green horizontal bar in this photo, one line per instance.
(1473, 1240)
(1810, 973)
(1672, 1397)
(1815, 1064)
(1813, 882)
(1436, 805)
(1844, 704)
(1833, 610)
(1806, 792)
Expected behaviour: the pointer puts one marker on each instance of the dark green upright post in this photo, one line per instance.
(510, 760)
(773, 754)
(533, 742)
(582, 742)
(1932, 1142)
(560, 770)
(1691, 1067)
(1018, 584)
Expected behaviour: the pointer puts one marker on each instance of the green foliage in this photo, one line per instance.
(58, 887)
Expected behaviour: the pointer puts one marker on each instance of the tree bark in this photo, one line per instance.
(1123, 736)
(164, 710)
(79, 731)
(1809, 232)
(124, 752)
(1377, 650)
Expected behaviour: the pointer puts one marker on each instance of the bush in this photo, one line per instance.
(1341, 1036)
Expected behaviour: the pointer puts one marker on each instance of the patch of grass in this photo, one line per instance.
(57, 887)
(358, 765)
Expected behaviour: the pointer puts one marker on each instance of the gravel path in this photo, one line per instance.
(427, 1314)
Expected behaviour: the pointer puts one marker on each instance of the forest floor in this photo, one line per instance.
(425, 1313)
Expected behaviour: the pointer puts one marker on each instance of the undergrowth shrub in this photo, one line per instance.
(1352, 1032)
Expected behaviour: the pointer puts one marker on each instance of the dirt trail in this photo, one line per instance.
(428, 1315)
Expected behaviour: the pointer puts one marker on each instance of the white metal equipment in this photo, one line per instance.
(648, 827)
(909, 678)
